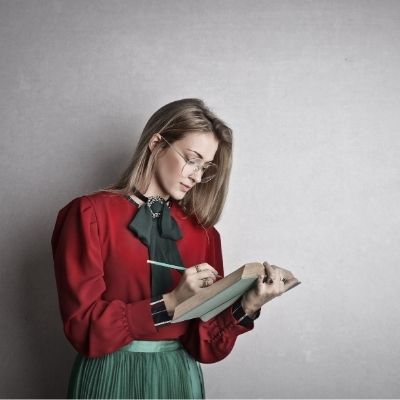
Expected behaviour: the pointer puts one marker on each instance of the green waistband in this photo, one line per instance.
(152, 345)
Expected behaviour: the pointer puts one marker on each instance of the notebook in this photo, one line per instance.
(213, 299)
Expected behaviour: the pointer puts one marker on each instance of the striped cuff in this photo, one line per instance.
(159, 311)
(240, 315)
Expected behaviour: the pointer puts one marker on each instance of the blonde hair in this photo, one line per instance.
(174, 121)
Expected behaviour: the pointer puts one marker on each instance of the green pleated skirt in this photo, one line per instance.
(140, 370)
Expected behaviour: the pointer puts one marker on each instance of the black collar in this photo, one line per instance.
(145, 198)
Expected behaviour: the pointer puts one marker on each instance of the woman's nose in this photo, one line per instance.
(196, 176)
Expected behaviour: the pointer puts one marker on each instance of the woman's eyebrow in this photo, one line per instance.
(194, 151)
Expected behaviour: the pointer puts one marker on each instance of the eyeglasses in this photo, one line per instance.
(193, 165)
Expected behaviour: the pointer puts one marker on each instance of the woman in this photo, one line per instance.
(116, 308)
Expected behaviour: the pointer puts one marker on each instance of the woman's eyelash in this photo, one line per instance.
(191, 157)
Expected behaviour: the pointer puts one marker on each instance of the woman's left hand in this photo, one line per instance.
(279, 281)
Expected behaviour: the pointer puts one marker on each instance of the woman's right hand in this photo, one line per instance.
(192, 281)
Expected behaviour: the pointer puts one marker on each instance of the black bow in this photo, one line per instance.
(158, 230)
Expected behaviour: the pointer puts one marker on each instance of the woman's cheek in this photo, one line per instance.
(176, 172)
(172, 175)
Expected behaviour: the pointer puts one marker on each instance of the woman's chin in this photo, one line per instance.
(178, 194)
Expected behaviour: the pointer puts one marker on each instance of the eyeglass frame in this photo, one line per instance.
(187, 160)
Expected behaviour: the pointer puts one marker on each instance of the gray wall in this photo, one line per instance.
(311, 90)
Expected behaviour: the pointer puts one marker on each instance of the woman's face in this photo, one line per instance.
(167, 179)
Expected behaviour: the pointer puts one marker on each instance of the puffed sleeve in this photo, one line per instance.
(211, 341)
(93, 326)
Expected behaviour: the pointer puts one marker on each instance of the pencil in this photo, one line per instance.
(171, 266)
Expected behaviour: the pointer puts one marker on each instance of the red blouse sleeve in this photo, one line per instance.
(92, 325)
(211, 341)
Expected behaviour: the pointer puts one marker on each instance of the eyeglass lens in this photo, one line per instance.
(194, 165)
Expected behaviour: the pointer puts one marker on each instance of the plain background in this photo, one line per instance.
(311, 90)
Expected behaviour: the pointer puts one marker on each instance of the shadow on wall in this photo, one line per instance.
(47, 354)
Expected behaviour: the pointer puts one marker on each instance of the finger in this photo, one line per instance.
(281, 278)
(269, 272)
(291, 284)
(259, 282)
(209, 267)
(206, 273)
(205, 282)
(201, 267)
(193, 270)
(267, 279)
(286, 273)
(281, 285)
(265, 263)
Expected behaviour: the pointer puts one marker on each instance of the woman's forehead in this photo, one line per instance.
(204, 144)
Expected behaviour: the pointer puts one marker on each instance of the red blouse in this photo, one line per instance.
(103, 280)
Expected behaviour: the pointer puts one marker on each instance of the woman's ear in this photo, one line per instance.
(154, 140)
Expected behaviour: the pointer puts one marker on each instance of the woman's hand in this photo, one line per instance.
(277, 281)
(193, 279)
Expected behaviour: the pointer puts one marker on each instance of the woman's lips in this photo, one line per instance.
(184, 187)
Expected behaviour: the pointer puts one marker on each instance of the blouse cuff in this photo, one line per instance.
(159, 311)
(240, 315)
(160, 314)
